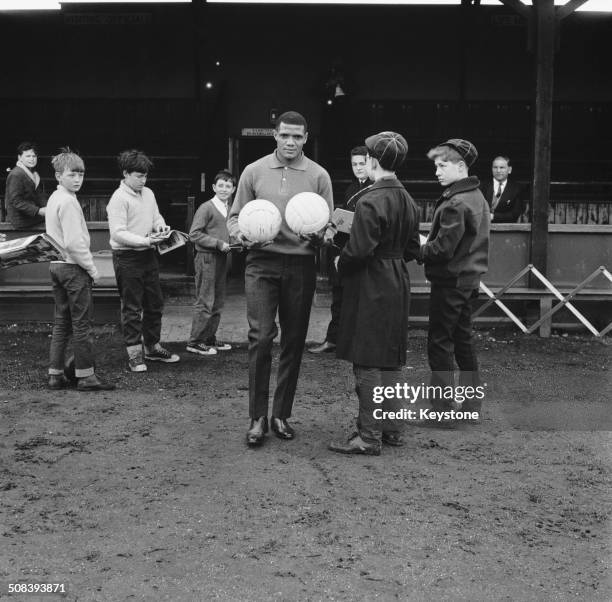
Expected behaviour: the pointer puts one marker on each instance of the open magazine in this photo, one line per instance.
(173, 239)
(38, 248)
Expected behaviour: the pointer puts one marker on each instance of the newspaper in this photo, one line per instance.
(171, 240)
(38, 248)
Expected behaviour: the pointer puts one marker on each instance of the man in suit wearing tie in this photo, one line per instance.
(505, 197)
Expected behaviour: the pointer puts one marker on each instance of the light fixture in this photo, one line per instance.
(30, 5)
(125, 1)
(208, 85)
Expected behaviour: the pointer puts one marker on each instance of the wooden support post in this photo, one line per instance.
(545, 57)
(545, 307)
(190, 268)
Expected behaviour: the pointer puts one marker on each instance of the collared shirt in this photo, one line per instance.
(131, 216)
(272, 180)
(496, 185)
(220, 205)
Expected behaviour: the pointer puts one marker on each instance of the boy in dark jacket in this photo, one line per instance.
(375, 302)
(25, 200)
(455, 256)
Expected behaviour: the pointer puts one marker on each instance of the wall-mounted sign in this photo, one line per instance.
(267, 132)
(108, 19)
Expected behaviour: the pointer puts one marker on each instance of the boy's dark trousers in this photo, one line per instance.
(336, 306)
(137, 274)
(73, 315)
(450, 338)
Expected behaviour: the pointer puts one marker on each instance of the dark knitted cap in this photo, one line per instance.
(465, 148)
(390, 148)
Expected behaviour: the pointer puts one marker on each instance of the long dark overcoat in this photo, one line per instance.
(374, 273)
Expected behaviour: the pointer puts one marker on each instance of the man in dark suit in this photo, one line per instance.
(351, 195)
(505, 197)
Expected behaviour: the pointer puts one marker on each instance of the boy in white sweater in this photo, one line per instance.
(72, 278)
(133, 220)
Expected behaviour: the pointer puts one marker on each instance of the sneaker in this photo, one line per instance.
(218, 345)
(201, 349)
(137, 364)
(159, 354)
(135, 361)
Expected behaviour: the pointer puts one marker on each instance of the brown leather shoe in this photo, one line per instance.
(57, 381)
(324, 347)
(93, 383)
(355, 445)
(282, 429)
(394, 439)
(256, 432)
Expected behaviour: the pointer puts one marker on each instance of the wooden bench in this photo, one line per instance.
(24, 303)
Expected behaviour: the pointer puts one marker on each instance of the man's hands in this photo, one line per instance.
(249, 244)
(322, 238)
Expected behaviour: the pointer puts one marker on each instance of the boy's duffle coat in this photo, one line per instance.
(374, 274)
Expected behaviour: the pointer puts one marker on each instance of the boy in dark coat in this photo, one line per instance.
(25, 200)
(374, 318)
(455, 255)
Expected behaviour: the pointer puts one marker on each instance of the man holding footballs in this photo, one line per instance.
(280, 275)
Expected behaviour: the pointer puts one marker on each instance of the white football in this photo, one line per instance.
(259, 220)
(306, 213)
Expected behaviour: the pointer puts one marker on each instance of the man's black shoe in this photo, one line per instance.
(256, 432)
(324, 347)
(282, 429)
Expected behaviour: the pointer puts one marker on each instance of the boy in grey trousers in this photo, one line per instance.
(211, 241)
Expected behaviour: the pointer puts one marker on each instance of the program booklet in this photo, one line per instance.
(171, 240)
(38, 248)
(343, 220)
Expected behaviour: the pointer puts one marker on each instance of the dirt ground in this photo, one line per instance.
(149, 492)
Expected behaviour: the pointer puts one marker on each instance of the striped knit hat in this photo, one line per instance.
(390, 148)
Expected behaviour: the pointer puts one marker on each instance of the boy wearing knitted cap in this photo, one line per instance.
(455, 256)
(375, 302)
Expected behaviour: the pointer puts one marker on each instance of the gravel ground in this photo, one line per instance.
(149, 492)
